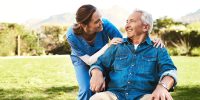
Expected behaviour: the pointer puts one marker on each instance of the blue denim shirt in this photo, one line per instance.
(134, 73)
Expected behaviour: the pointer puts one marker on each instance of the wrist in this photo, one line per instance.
(96, 71)
(164, 85)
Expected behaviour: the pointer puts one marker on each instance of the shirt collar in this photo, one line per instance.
(147, 40)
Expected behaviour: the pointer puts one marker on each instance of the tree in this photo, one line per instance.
(55, 41)
(8, 40)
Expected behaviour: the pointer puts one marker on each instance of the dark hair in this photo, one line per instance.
(83, 16)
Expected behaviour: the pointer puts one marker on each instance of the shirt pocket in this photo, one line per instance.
(148, 64)
(120, 62)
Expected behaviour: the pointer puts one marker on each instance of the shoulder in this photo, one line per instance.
(70, 34)
(106, 22)
(161, 51)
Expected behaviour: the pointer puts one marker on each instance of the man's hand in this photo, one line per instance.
(97, 82)
(161, 93)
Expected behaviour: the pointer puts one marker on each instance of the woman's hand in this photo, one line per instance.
(158, 42)
(115, 41)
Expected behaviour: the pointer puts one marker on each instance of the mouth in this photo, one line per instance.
(129, 30)
(100, 27)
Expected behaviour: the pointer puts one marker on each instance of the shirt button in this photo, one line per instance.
(132, 65)
(130, 73)
(126, 93)
(129, 82)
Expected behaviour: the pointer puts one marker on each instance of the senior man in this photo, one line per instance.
(137, 70)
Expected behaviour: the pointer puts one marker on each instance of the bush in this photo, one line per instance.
(63, 48)
(173, 52)
(8, 40)
(196, 52)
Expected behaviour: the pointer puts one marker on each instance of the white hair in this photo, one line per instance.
(146, 18)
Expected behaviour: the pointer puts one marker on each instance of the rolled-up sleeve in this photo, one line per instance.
(166, 66)
(173, 74)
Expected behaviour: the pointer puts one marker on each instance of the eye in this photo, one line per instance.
(132, 20)
(97, 21)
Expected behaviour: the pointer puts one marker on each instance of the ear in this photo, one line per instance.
(83, 25)
(146, 27)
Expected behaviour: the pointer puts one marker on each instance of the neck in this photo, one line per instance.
(137, 39)
(89, 38)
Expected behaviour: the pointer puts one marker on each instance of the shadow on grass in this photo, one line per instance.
(61, 89)
(11, 94)
(57, 91)
(36, 94)
(187, 93)
(180, 93)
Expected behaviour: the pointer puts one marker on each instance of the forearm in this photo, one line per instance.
(89, 60)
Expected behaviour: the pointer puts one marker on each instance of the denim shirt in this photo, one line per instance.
(134, 73)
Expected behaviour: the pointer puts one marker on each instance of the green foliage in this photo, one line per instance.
(179, 38)
(7, 43)
(172, 51)
(8, 40)
(163, 23)
(184, 42)
(55, 41)
(194, 26)
(196, 51)
(30, 44)
(62, 48)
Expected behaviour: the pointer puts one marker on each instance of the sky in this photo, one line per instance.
(20, 11)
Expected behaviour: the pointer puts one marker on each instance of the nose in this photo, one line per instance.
(100, 22)
(127, 26)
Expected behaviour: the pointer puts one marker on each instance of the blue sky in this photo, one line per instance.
(22, 10)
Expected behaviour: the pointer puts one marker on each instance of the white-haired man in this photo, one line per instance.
(137, 70)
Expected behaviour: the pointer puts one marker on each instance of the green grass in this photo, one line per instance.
(37, 78)
(188, 87)
(53, 78)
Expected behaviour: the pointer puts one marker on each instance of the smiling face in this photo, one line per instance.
(95, 25)
(135, 26)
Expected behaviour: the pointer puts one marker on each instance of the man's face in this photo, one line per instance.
(95, 25)
(134, 25)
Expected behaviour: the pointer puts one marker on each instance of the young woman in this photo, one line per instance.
(89, 38)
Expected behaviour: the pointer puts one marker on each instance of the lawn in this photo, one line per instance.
(53, 78)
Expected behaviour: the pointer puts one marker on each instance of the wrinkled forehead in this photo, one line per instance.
(135, 15)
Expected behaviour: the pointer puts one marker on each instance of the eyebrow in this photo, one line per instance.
(97, 21)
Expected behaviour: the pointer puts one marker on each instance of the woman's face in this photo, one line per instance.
(95, 25)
